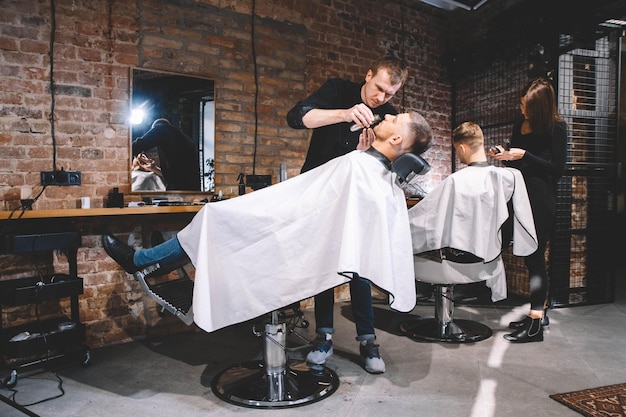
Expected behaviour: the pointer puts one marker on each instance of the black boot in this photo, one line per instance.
(531, 332)
(545, 321)
(120, 252)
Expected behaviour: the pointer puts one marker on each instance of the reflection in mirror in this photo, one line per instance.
(172, 133)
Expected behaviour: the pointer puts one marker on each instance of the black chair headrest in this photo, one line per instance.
(408, 166)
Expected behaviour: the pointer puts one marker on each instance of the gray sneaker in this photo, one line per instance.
(322, 349)
(374, 364)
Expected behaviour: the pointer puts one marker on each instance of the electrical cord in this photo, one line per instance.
(256, 87)
(25, 204)
(414, 189)
(14, 391)
(402, 49)
(47, 358)
(43, 331)
(53, 27)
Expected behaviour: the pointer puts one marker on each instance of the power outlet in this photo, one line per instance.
(60, 177)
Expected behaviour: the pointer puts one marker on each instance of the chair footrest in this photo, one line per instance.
(175, 295)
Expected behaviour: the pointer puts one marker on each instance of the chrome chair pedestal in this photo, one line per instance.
(275, 381)
(444, 327)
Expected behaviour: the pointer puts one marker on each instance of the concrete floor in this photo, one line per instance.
(172, 376)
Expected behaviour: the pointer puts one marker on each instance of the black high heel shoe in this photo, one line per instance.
(532, 332)
(545, 321)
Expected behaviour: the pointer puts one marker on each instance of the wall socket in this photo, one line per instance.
(60, 177)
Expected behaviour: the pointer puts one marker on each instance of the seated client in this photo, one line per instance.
(276, 246)
(466, 213)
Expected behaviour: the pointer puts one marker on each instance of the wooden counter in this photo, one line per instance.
(93, 212)
(410, 202)
(126, 211)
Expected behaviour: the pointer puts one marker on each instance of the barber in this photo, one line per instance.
(337, 112)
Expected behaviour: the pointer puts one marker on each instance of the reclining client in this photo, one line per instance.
(265, 250)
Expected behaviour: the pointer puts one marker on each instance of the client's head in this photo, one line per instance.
(161, 121)
(402, 133)
(469, 142)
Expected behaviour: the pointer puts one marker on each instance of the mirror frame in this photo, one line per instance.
(198, 123)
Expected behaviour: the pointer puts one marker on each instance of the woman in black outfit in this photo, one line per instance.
(538, 150)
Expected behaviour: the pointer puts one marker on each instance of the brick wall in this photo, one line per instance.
(298, 44)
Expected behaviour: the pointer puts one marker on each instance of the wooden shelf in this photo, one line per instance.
(43, 214)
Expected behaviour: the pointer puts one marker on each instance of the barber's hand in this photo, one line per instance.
(512, 154)
(366, 138)
(136, 165)
(361, 115)
(144, 163)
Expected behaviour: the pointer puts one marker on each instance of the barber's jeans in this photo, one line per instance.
(362, 309)
(166, 253)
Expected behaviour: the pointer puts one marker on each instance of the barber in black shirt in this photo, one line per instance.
(331, 111)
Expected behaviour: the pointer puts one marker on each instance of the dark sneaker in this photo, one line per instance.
(374, 364)
(322, 349)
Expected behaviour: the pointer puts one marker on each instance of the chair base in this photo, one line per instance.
(456, 331)
(274, 382)
(444, 327)
(249, 384)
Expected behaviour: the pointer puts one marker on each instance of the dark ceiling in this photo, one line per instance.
(582, 11)
(452, 4)
(485, 30)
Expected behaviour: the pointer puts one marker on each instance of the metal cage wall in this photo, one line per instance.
(581, 264)
(586, 77)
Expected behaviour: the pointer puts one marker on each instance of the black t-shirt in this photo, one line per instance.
(545, 156)
(328, 142)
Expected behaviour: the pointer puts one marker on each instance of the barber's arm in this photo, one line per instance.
(148, 141)
(320, 109)
(359, 114)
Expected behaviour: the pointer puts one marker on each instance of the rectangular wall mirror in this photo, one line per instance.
(172, 133)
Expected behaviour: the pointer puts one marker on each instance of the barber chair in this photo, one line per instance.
(273, 382)
(276, 382)
(172, 295)
(445, 269)
(448, 267)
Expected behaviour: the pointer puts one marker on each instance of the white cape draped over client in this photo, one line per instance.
(276, 246)
(466, 212)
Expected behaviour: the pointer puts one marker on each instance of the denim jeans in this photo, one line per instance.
(362, 309)
(166, 253)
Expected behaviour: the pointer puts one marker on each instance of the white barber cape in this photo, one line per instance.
(276, 246)
(466, 211)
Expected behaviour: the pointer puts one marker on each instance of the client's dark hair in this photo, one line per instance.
(421, 131)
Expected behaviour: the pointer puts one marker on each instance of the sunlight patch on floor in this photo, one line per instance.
(485, 402)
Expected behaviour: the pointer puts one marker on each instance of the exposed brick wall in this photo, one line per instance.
(298, 45)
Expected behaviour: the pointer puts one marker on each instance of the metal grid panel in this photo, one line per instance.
(491, 99)
(579, 267)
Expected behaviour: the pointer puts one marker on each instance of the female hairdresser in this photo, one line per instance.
(538, 150)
